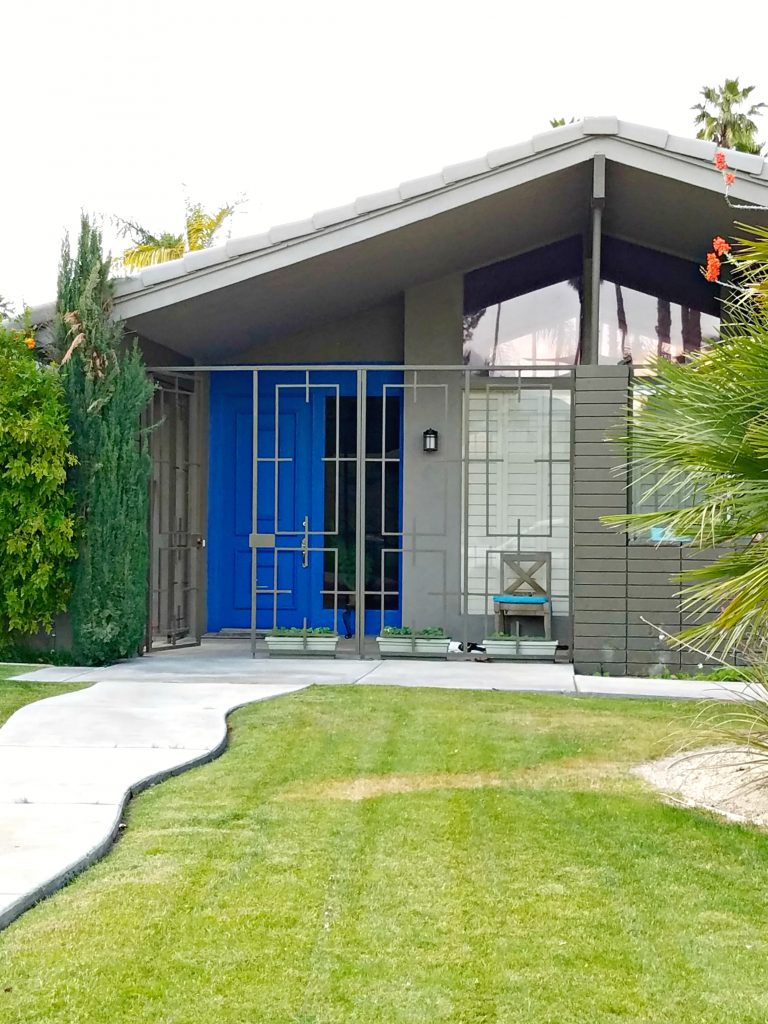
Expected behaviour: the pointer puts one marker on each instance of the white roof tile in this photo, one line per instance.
(161, 272)
(601, 126)
(203, 258)
(421, 186)
(326, 218)
(248, 243)
(510, 154)
(750, 163)
(467, 169)
(644, 134)
(377, 201)
(297, 228)
(692, 147)
(558, 137)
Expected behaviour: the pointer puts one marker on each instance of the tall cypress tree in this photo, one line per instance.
(107, 390)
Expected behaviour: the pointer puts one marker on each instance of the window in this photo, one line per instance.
(635, 326)
(648, 494)
(525, 311)
(652, 304)
(537, 329)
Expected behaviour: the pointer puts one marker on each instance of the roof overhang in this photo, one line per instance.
(662, 192)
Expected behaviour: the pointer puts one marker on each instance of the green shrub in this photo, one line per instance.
(511, 636)
(16, 653)
(428, 633)
(37, 524)
(107, 390)
(298, 631)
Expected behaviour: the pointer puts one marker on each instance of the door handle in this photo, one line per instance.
(305, 544)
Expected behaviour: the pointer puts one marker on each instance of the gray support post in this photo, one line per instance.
(465, 510)
(255, 503)
(198, 526)
(360, 477)
(590, 355)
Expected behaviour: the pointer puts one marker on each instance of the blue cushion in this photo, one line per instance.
(520, 599)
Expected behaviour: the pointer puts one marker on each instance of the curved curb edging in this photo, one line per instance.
(96, 853)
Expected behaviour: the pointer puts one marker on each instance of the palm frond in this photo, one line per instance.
(150, 253)
(697, 440)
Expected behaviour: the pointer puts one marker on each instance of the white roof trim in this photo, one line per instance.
(644, 147)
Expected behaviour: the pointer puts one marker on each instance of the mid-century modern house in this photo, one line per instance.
(394, 413)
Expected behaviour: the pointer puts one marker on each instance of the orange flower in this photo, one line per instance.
(720, 161)
(29, 342)
(712, 272)
(729, 178)
(720, 246)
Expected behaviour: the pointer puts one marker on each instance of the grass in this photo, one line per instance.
(14, 695)
(365, 854)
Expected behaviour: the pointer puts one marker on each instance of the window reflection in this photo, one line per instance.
(540, 328)
(635, 326)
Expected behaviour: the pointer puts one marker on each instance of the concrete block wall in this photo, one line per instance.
(599, 555)
(623, 593)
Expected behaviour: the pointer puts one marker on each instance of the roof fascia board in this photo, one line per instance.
(682, 168)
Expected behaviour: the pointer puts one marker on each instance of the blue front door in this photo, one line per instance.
(306, 498)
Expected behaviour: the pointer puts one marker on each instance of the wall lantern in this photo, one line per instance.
(430, 440)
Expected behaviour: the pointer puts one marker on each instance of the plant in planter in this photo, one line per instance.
(401, 641)
(508, 645)
(297, 639)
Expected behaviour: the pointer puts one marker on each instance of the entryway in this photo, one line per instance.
(322, 438)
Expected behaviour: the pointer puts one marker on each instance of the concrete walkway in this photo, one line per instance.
(69, 764)
(230, 661)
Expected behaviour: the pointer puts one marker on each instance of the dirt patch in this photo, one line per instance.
(573, 774)
(731, 781)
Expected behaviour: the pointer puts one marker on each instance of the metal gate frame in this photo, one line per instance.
(509, 377)
(175, 538)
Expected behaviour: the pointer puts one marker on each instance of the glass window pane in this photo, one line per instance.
(636, 326)
(540, 328)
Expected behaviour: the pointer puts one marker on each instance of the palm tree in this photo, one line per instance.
(700, 438)
(148, 249)
(722, 123)
(560, 122)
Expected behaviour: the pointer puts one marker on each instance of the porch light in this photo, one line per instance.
(430, 440)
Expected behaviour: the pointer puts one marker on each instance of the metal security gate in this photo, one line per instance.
(355, 498)
(326, 501)
(176, 539)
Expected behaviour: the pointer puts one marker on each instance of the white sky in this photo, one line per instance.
(118, 108)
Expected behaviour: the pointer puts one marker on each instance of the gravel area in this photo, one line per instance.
(731, 781)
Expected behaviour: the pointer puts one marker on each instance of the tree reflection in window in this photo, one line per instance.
(540, 328)
(635, 326)
(652, 304)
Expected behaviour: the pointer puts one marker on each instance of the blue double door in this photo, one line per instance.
(305, 471)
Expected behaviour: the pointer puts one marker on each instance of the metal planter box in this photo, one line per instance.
(413, 646)
(522, 648)
(286, 645)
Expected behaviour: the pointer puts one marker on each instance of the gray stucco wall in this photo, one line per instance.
(432, 484)
(618, 587)
(372, 336)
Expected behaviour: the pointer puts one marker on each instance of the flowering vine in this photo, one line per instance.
(721, 163)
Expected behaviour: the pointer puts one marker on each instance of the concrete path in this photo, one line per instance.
(69, 764)
(230, 661)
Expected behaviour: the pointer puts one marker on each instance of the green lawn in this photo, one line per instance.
(364, 854)
(15, 695)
